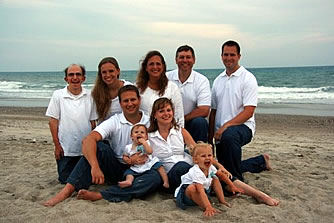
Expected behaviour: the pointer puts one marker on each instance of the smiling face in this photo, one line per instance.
(130, 103)
(154, 67)
(203, 157)
(109, 73)
(185, 61)
(74, 78)
(230, 58)
(164, 115)
(137, 132)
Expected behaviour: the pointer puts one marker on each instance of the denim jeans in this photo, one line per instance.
(142, 185)
(65, 166)
(229, 152)
(113, 172)
(112, 169)
(174, 175)
(198, 129)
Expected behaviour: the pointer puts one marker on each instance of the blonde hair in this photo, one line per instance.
(199, 145)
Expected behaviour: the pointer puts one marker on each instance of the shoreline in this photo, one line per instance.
(325, 110)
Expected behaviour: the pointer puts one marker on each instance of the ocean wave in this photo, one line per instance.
(321, 95)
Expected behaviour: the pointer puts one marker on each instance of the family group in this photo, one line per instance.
(157, 134)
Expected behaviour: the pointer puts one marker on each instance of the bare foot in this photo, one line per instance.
(125, 183)
(89, 195)
(266, 199)
(62, 195)
(267, 160)
(166, 185)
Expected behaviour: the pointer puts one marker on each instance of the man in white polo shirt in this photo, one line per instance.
(72, 117)
(195, 91)
(231, 121)
(103, 163)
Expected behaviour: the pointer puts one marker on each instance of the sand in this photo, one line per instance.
(301, 150)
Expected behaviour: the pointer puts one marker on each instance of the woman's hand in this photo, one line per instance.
(138, 158)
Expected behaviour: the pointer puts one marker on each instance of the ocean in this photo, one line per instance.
(283, 90)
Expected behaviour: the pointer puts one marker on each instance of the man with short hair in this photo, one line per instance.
(195, 91)
(103, 163)
(231, 120)
(72, 117)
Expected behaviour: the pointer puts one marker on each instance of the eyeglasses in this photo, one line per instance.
(72, 74)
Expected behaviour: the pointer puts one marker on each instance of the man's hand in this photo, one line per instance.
(97, 175)
(59, 152)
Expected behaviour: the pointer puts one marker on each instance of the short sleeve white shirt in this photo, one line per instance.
(196, 175)
(195, 90)
(169, 151)
(117, 131)
(144, 167)
(230, 94)
(172, 92)
(74, 113)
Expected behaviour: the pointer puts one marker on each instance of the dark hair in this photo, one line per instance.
(231, 43)
(138, 125)
(126, 88)
(185, 48)
(159, 104)
(143, 76)
(100, 91)
(83, 70)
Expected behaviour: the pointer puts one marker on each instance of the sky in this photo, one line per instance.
(48, 35)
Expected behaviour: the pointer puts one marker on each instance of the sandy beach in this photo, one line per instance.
(301, 150)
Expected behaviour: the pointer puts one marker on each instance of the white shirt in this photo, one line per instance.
(115, 107)
(74, 113)
(196, 175)
(144, 167)
(195, 90)
(230, 94)
(117, 131)
(172, 92)
(169, 151)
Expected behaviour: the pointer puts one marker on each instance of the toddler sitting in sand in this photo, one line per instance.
(196, 184)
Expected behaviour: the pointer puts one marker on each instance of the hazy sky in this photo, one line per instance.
(47, 35)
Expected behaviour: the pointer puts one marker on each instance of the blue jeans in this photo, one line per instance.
(142, 185)
(198, 129)
(113, 172)
(174, 176)
(229, 152)
(112, 169)
(65, 166)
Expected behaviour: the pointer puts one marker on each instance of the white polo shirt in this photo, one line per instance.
(172, 92)
(117, 131)
(74, 113)
(169, 151)
(195, 90)
(230, 94)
